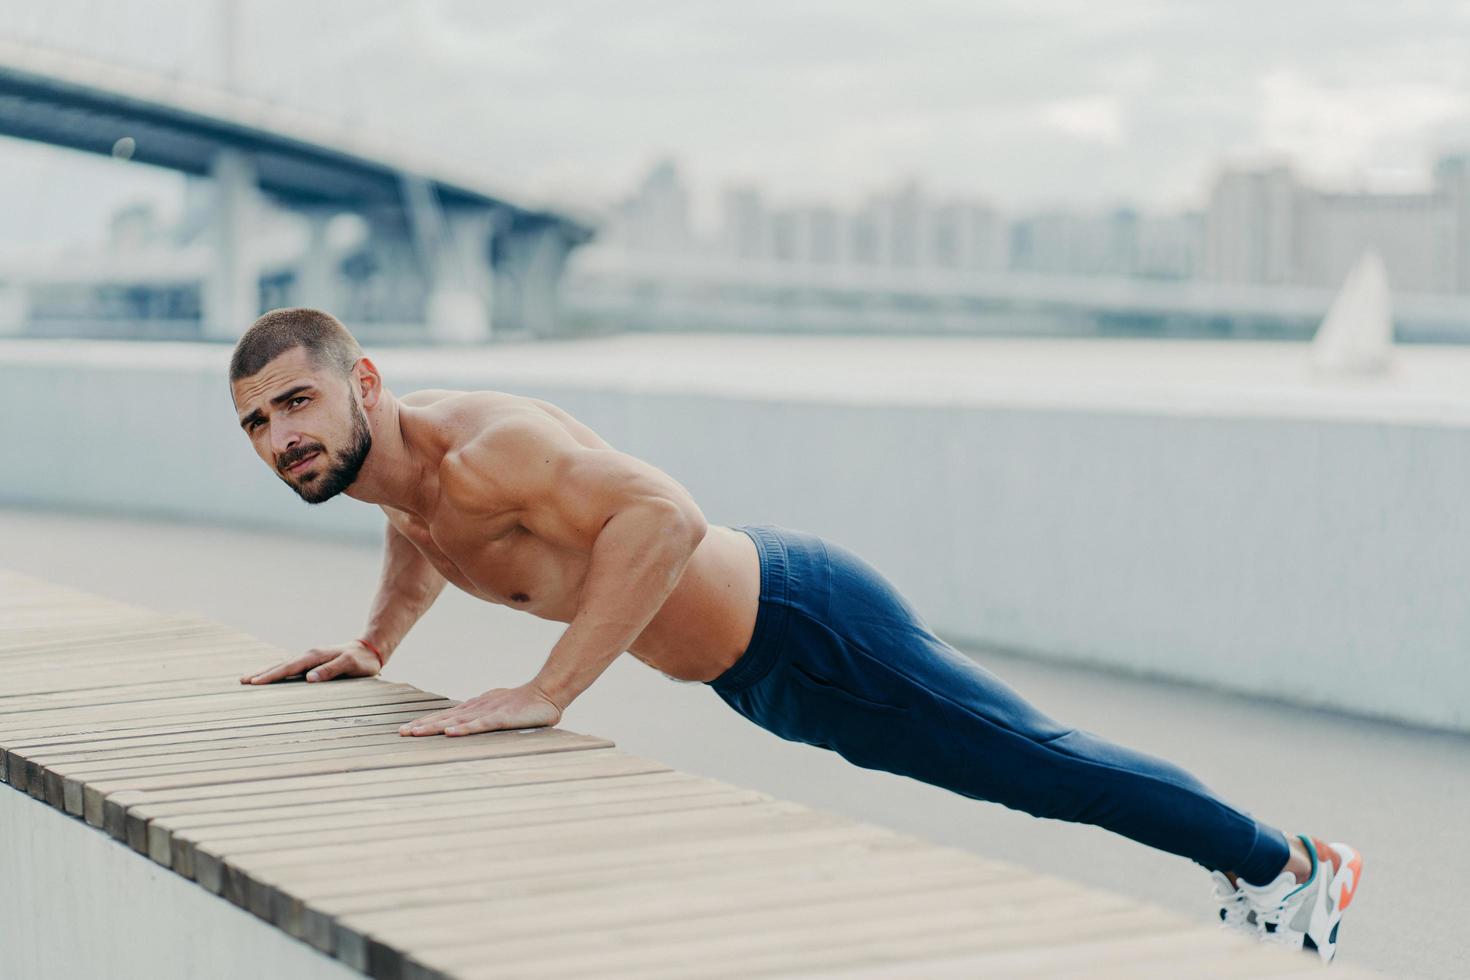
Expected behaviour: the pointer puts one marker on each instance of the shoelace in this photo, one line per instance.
(1268, 924)
(1236, 907)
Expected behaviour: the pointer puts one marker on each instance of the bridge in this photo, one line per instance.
(453, 252)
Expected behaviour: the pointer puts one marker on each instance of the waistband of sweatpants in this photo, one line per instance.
(771, 617)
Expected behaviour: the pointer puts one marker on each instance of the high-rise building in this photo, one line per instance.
(1266, 227)
(655, 217)
(1169, 246)
(1253, 227)
(745, 232)
(1063, 243)
(967, 235)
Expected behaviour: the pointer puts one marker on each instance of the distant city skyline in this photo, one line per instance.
(1031, 105)
(1262, 225)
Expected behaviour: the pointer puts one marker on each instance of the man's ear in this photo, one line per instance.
(369, 383)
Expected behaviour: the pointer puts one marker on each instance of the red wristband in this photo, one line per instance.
(377, 653)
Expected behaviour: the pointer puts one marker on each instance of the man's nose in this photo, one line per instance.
(284, 441)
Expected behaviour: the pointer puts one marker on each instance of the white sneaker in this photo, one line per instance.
(1307, 915)
(1236, 914)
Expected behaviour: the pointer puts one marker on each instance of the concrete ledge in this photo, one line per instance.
(1204, 512)
(76, 903)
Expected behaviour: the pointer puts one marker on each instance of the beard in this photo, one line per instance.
(341, 467)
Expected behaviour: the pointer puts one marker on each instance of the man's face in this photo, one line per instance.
(305, 423)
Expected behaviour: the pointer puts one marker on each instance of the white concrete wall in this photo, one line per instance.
(75, 903)
(1285, 550)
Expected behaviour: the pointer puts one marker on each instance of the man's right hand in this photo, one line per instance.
(322, 664)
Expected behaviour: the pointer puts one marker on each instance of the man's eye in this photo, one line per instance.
(299, 398)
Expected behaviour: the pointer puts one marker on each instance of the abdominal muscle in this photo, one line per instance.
(708, 620)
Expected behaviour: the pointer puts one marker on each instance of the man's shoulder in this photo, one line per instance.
(428, 396)
(459, 417)
(487, 442)
(509, 436)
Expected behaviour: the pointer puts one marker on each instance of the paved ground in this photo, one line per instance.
(1400, 794)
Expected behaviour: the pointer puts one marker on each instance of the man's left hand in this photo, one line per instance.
(498, 709)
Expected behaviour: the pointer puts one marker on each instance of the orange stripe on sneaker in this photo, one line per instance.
(1331, 855)
(1351, 888)
(1326, 852)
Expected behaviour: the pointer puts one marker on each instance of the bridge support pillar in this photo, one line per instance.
(460, 293)
(528, 266)
(316, 278)
(456, 310)
(232, 289)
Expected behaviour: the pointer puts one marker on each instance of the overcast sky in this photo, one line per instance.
(1030, 104)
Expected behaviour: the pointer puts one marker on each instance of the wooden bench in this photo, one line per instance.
(537, 853)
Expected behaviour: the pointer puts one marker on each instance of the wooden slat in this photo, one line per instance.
(537, 853)
(811, 854)
(244, 704)
(87, 798)
(153, 814)
(171, 838)
(123, 808)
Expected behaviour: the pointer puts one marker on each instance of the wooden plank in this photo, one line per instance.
(248, 880)
(127, 807)
(742, 943)
(810, 855)
(88, 643)
(198, 767)
(113, 662)
(182, 747)
(383, 739)
(244, 702)
(250, 710)
(393, 813)
(223, 731)
(372, 941)
(50, 776)
(732, 950)
(197, 664)
(182, 692)
(181, 846)
(296, 903)
(339, 789)
(194, 854)
(228, 871)
(87, 800)
(85, 641)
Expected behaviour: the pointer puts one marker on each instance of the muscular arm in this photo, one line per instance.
(408, 587)
(639, 525)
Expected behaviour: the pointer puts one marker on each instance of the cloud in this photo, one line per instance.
(1336, 130)
(1094, 118)
(1023, 102)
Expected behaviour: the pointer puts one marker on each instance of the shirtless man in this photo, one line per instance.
(519, 504)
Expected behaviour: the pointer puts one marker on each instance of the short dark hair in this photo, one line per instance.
(327, 342)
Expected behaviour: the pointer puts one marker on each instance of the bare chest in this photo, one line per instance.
(498, 560)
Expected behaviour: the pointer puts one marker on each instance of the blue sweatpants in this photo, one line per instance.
(841, 660)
